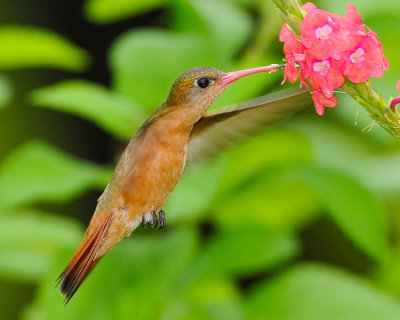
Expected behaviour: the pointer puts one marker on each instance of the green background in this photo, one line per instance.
(300, 223)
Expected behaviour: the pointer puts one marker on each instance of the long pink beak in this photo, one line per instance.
(235, 75)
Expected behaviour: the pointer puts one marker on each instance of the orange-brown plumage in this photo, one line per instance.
(84, 259)
(150, 167)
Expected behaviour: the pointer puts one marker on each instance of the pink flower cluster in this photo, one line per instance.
(330, 48)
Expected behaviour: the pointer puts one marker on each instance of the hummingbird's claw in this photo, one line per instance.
(161, 218)
(155, 222)
(143, 223)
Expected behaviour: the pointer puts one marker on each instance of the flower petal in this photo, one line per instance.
(353, 20)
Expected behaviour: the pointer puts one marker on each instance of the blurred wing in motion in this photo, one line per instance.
(221, 129)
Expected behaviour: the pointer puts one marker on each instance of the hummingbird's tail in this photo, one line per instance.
(83, 261)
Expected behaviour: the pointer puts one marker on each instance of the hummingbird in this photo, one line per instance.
(179, 131)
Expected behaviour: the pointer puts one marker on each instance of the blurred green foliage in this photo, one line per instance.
(237, 242)
(31, 46)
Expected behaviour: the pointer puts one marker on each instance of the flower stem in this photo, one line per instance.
(375, 105)
(291, 13)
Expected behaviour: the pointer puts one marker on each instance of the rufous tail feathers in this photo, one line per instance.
(83, 260)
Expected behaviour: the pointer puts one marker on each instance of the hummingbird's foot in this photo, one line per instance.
(156, 221)
(143, 223)
(151, 222)
(161, 219)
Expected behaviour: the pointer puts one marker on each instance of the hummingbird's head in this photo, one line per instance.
(199, 87)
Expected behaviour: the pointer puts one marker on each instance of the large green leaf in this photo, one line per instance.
(225, 24)
(255, 189)
(245, 250)
(356, 156)
(23, 47)
(331, 144)
(315, 292)
(194, 192)
(149, 266)
(107, 11)
(112, 112)
(278, 147)
(29, 240)
(209, 298)
(145, 63)
(269, 198)
(355, 117)
(355, 210)
(37, 171)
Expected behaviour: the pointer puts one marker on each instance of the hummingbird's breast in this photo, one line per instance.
(152, 165)
(158, 166)
(145, 176)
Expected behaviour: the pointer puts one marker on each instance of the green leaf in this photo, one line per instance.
(37, 171)
(110, 111)
(149, 266)
(353, 208)
(315, 292)
(36, 230)
(339, 149)
(265, 151)
(357, 118)
(245, 250)
(23, 47)
(383, 173)
(145, 63)
(24, 265)
(5, 92)
(108, 11)
(210, 298)
(346, 171)
(329, 140)
(29, 240)
(255, 187)
(269, 198)
(194, 192)
(225, 24)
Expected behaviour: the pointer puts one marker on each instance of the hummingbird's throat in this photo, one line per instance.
(230, 77)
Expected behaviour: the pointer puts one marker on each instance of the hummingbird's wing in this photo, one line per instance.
(221, 129)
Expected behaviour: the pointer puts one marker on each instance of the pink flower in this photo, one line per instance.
(325, 75)
(322, 33)
(353, 20)
(330, 48)
(365, 59)
(320, 101)
(290, 49)
(309, 6)
(294, 52)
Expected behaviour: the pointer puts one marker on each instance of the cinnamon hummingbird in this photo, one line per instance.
(153, 162)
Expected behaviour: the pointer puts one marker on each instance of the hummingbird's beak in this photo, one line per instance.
(230, 77)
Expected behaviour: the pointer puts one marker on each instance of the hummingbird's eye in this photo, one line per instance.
(203, 82)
